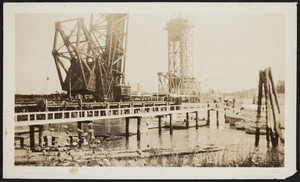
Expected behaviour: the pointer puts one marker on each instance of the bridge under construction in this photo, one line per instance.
(90, 61)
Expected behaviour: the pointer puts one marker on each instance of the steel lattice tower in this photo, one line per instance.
(91, 61)
(179, 78)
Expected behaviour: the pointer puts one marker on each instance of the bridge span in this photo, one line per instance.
(38, 119)
(51, 117)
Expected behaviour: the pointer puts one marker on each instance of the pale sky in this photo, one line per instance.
(228, 50)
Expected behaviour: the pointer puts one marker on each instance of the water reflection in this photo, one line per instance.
(182, 138)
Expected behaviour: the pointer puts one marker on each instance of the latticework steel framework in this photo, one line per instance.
(91, 61)
(179, 78)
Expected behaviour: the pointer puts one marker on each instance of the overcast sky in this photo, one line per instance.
(228, 50)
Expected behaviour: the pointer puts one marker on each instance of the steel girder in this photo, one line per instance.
(109, 32)
(91, 61)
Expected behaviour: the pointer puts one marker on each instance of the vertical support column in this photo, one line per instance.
(80, 103)
(159, 124)
(143, 107)
(266, 89)
(257, 133)
(131, 108)
(187, 120)
(217, 117)
(40, 135)
(46, 104)
(273, 89)
(208, 118)
(79, 127)
(53, 138)
(127, 127)
(71, 140)
(171, 125)
(259, 100)
(46, 141)
(138, 128)
(31, 133)
(273, 124)
(90, 131)
(119, 108)
(106, 109)
(22, 142)
(196, 119)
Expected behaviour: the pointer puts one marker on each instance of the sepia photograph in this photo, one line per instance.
(169, 90)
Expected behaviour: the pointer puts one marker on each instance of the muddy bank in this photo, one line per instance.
(209, 156)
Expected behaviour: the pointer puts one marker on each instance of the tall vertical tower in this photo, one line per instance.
(109, 32)
(179, 79)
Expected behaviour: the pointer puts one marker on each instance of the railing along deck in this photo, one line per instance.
(34, 118)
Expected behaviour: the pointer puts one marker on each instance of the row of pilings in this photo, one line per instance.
(43, 140)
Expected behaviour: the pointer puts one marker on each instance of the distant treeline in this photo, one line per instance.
(281, 87)
(251, 91)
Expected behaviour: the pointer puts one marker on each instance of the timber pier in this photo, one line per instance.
(36, 120)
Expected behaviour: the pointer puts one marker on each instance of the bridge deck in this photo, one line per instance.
(40, 118)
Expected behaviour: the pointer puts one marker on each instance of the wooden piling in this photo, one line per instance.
(208, 118)
(274, 89)
(187, 121)
(196, 119)
(159, 124)
(46, 141)
(259, 100)
(274, 136)
(217, 117)
(171, 125)
(22, 142)
(139, 144)
(71, 140)
(257, 133)
(266, 89)
(40, 135)
(79, 126)
(138, 128)
(53, 140)
(127, 127)
(31, 133)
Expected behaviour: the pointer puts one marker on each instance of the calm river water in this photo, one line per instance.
(180, 139)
